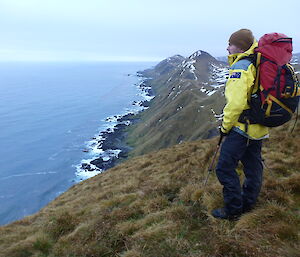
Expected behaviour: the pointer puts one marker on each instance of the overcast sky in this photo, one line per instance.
(142, 30)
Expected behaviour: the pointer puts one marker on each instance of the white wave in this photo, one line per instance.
(28, 174)
(6, 196)
(53, 157)
(85, 174)
(82, 173)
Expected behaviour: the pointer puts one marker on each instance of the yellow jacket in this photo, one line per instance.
(237, 91)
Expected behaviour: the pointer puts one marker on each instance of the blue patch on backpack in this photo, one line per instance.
(236, 75)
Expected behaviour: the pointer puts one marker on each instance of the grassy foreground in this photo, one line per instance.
(155, 205)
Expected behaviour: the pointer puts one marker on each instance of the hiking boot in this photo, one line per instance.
(247, 209)
(222, 214)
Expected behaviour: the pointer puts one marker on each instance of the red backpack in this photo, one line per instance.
(276, 91)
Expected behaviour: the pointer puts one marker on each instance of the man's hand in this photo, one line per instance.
(222, 134)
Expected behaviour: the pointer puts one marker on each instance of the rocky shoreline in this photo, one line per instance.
(111, 143)
(114, 142)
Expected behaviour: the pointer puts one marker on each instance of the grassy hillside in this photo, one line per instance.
(155, 205)
(185, 104)
(186, 118)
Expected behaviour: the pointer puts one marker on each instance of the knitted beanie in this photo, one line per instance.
(242, 38)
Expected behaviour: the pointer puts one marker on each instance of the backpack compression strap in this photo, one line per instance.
(269, 100)
(256, 84)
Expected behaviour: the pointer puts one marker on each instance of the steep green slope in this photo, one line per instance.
(188, 99)
(155, 205)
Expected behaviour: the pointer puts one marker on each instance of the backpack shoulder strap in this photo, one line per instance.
(255, 59)
(242, 64)
(252, 58)
(291, 75)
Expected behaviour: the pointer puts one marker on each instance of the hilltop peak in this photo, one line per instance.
(198, 66)
(175, 57)
(164, 67)
(199, 53)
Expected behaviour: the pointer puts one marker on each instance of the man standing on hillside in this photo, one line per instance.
(242, 142)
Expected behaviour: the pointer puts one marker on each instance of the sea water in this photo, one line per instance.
(48, 114)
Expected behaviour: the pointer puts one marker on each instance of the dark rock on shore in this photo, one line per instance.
(114, 139)
(103, 165)
(87, 167)
(145, 103)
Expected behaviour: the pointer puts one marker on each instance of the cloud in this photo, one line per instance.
(80, 29)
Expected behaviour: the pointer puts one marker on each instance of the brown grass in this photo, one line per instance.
(155, 205)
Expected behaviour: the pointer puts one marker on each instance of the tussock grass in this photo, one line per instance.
(155, 205)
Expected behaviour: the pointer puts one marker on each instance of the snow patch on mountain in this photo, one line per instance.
(207, 91)
(217, 116)
(211, 92)
(178, 93)
(196, 54)
(295, 60)
(189, 66)
(219, 75)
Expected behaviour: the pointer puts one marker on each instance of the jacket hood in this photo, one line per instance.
(233, 58)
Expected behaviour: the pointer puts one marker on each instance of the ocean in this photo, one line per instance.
(50, 113)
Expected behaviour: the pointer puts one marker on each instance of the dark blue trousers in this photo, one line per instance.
(237, 148)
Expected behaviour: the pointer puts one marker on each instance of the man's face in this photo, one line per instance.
(233, 49)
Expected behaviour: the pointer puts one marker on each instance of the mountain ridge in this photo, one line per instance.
(190, 94)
